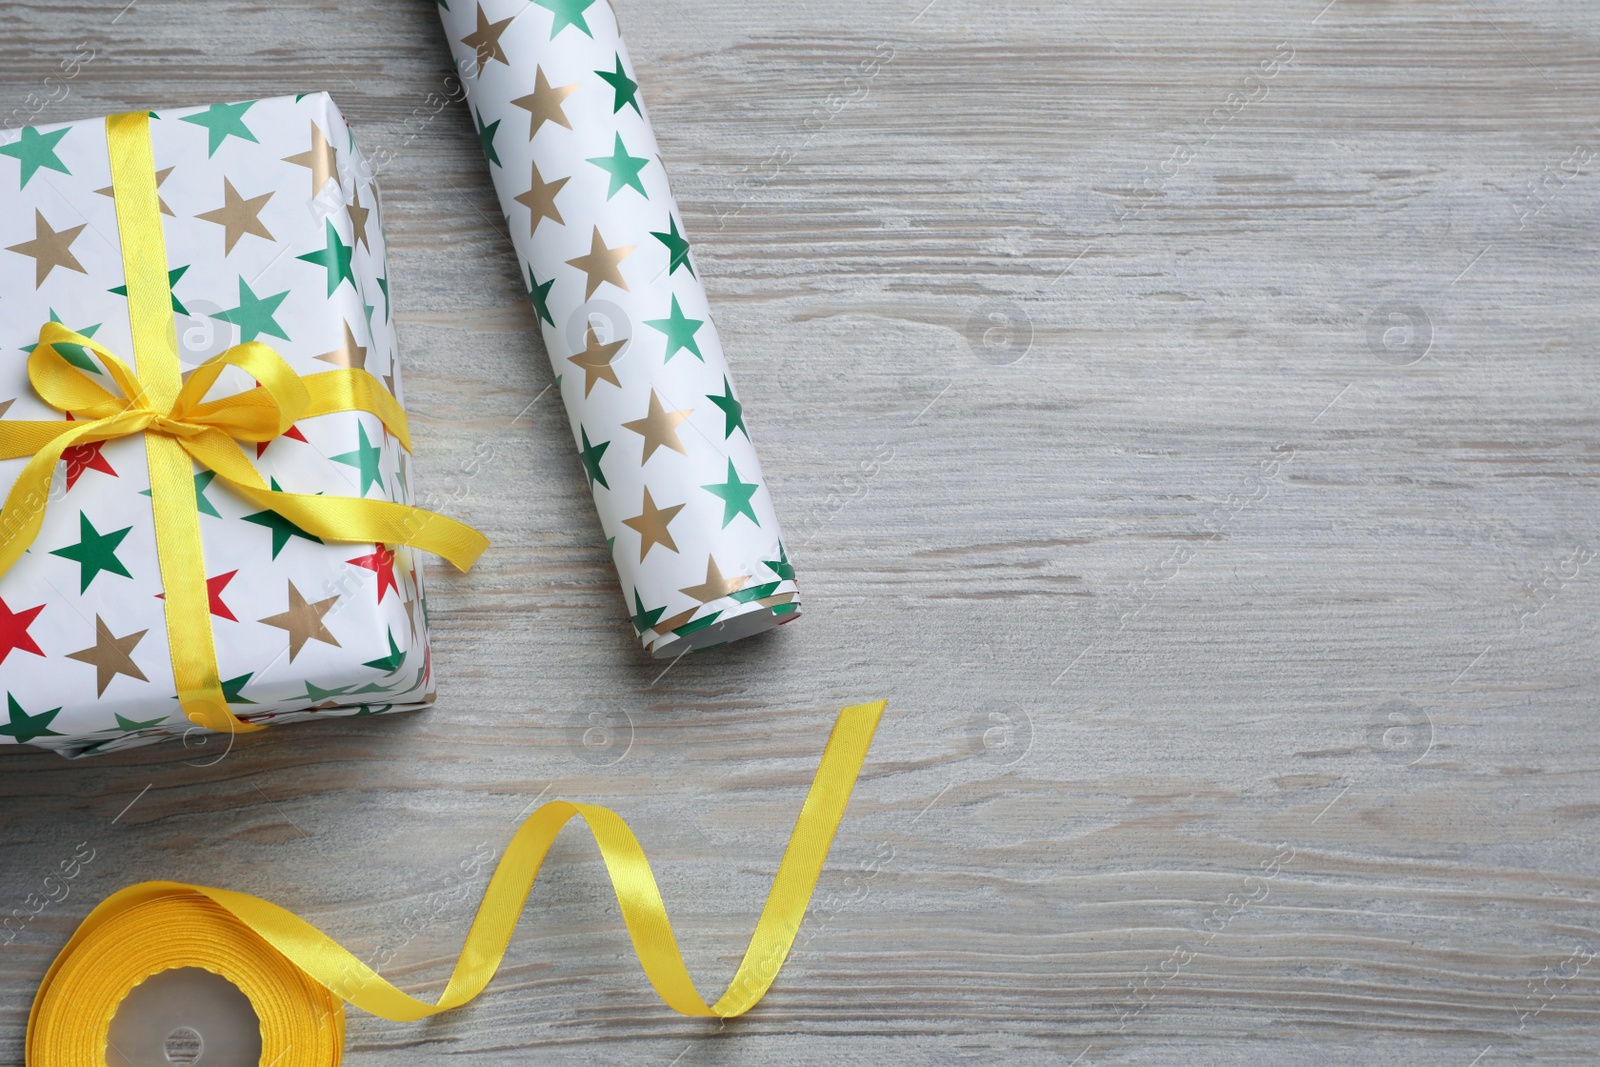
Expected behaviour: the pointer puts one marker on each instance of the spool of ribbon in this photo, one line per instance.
(297, 978)
(181, 427)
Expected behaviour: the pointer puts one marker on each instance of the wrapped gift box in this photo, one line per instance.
(274, 233)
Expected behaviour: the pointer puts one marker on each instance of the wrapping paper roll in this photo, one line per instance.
(654, 414)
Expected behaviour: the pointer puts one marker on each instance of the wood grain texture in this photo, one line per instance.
(1242, 679)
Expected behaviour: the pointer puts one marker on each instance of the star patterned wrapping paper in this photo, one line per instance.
(274, 234)
(657, 423)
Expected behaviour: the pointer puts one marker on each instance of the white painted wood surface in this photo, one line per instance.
(1243, 679)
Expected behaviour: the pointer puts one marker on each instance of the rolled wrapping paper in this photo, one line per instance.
(654, 414)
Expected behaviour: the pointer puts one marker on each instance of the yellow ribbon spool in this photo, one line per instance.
(181, 427)
(296, 977)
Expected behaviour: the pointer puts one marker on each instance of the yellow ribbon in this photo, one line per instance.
(297, 977)
(181, 427)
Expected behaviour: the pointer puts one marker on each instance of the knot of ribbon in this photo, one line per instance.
(182, 427)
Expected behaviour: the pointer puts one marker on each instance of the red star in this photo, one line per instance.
(214, 587)
(381, 563)
(14, 630)
(80, 458)
(293, 431)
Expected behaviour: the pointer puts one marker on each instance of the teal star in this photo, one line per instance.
(732, 410)
(626, 89)
(365, 458)
(781, 566)
(645, 618)
(36, 150)
(591, 458)
(282, 529)
(623, 168)
(486, 137)
(94, 552)
(25, 727)
(677, 247)
(334, 258)
(680, 331)
(202, 505)
(253, 316)
(735, 496)
(172, 280)
(539, 293)
(567, 13)
(390, 663)
(223, 121)
(383, 283)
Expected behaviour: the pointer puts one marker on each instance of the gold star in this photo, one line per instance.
(666, 626)
(110, 655)
(595, 359)
(544, 103)
(410, 602)
(161, 176)
(348, 354)
(5, 406)
(50, 248)
(485, 40)
(652, 525)
(602, 264)
(238, 216)
(358, 220)
(715, 586)
(319, 158)
(303, 621)
(659, 428)
(540, 199)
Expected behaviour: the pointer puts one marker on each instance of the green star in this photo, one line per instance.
(316, 694)
(383, 283)
(365, 458)
(591, 458)
(94, 552)
(486, 137)
(232, 689)
(623, 168)
(128, 726)
(25, 727)
(76, 355)
(201, 504)
(282, 529)
(172, 280)
(677, 247)
(755, 592)
(645, 618)
(781, 566)
(36, 150)
(680, 331)
(567, 13)
(223, 121)
(735, 497)
(626, 89)
(539, 293)
(253, 316)
(732, 410)
(334, 258)
(390, 663)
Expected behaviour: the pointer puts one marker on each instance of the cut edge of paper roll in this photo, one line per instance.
(557, 110)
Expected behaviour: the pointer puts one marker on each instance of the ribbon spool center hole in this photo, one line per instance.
(185, 1017)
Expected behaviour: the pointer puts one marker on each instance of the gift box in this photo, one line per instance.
(233, 483)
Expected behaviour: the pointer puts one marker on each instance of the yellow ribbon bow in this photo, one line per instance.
(181, 427)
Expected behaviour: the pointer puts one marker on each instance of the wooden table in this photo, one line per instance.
(1183, 413)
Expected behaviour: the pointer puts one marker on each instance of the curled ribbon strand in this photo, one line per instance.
(297, 977)
(180, 428)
